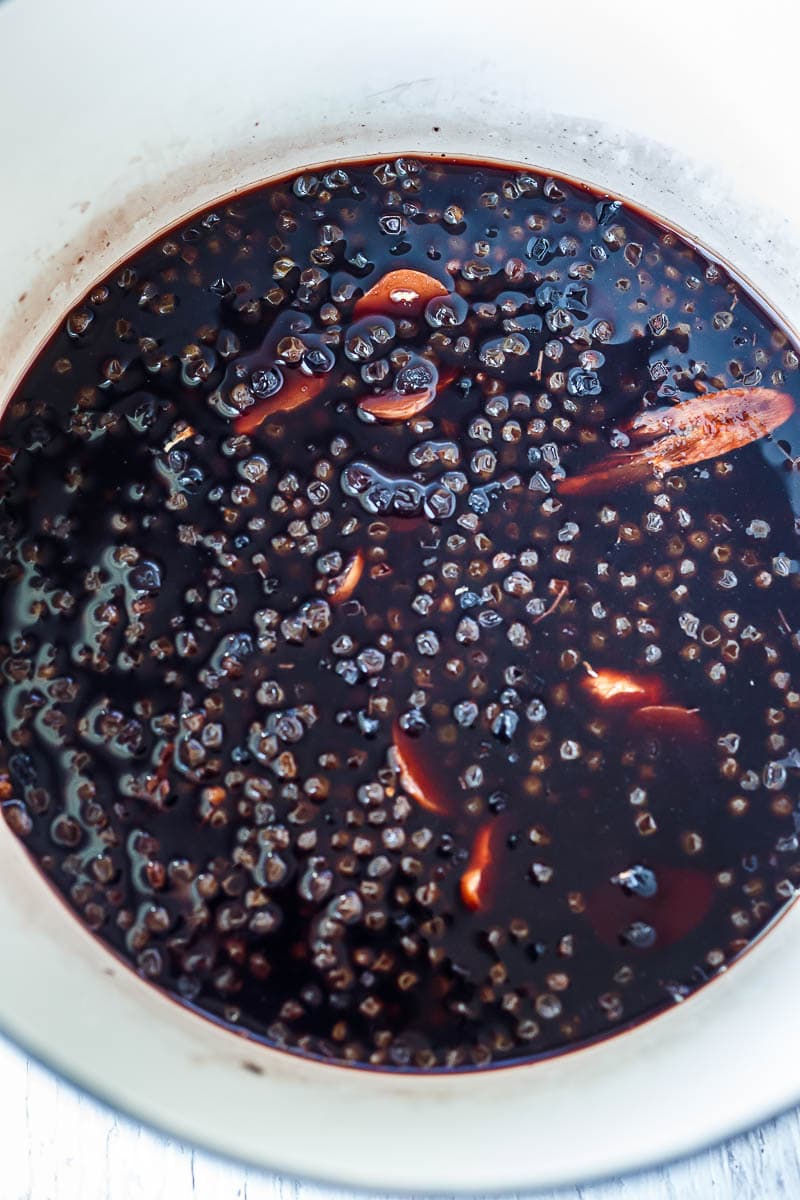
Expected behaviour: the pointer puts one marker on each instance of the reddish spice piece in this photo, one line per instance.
(474, 881)
(671, 719)
(213, 799)
(561, 589)
(618, 689)
(296, 391)
(683, 900)
(401, 406)
(342, 586)
(402, 293)
(157, 784)
(394, 406)
(690, 432)
(413, 778)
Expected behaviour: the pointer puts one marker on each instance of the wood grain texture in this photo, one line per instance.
(57, 1144)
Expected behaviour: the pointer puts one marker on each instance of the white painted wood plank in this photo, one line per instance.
(56, 1144)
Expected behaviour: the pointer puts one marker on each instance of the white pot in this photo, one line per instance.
(116, 119)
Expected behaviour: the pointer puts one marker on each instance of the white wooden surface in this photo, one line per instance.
(56, 1144)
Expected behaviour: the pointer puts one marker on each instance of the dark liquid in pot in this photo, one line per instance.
(409, 677)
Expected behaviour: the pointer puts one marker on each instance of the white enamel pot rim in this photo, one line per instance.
(133, 118)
